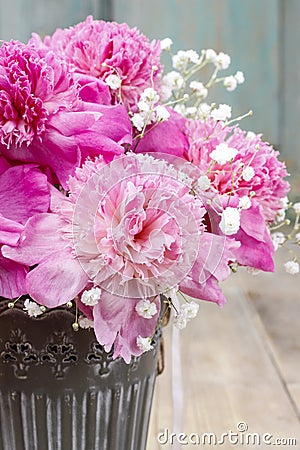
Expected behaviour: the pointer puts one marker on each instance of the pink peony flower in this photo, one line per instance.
(255, 169)
(43, 119)
(131, 228)
(100, 49)
(23, 192)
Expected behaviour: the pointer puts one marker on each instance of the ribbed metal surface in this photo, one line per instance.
(48, 403)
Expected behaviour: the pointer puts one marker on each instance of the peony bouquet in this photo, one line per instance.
(121, 188)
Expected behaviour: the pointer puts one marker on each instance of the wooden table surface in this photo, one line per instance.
(240, 364)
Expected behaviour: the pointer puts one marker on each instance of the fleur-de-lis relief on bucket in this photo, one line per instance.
(19, 352)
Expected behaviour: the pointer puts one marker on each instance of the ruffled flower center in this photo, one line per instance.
(28, 86)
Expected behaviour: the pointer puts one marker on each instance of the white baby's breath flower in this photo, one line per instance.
(230, 221)
(280, 216)
(203, 183)
(172, 293)
(165, 92)
(113, 81)
(296, 208)
(230, 83)
(138, 121)
(239, 76)
(244, 202)
(278, 239)
(223, 154)
(180, 321)
(248, 173)
(166, 43)
(91, 297)
(250, 136)
(180, 60)
(143, 106)
(204, 111)
(180, 109)
(161, 113)
(144, 344)
(183, 58)
(191, 111)
(210, 55)
(193, 56)
(32, 308)
(174, 80)
(223, 112)
(190, 310)
(297, 237)
(150, 95)
(285, 202)
(85, 323)
(199, 88)
(291, 267)
(146, 309)
(222, 61)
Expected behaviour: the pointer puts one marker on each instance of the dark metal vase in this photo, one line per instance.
(59, 390)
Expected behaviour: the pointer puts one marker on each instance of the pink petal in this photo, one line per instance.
(255, 253)
(57, 280)
(93, 90)
(117, 323)
(40, 238)
(9, 231)
(213, 257)
(23, 192)
(4, 164)
(12, 278)
(208, 290)
(73, 122)
(166, 137)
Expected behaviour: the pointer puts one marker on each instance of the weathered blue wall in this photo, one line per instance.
(18, 18)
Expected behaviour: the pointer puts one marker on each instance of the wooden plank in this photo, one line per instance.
(247, 30)
(19, 18)
(229, 376)
(277, 301)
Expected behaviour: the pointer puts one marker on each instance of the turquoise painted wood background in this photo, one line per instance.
(262, 37)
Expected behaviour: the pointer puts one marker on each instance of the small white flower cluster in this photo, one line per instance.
(186, 64)
(296, 207)
(33, 309)
(113, 81)
(231, 82)
(292, 267)
(85, 323)
(144, 343)
(184, 58)
(220, 60)
(223, 113)
(203, 184)
(149, 111)
(248, 173)
(223, 154)
(230, 221)
(187, 312)
(278, 239)
(200, 90)
(91, 296)
(146, 309)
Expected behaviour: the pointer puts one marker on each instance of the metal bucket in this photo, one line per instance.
(59, 390)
